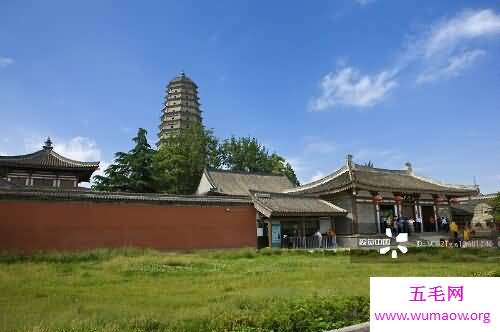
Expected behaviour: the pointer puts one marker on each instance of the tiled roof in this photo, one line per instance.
(404, 180)
(91, 195)
(377, 179)
(240, 183)
(275, 204)
(46, 158)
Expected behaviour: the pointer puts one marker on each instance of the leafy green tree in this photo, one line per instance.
(179, 162)
(246, 154)
(130, 171)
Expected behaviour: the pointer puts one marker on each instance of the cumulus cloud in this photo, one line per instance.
(4, 62)
(455, 65)
(348, 87)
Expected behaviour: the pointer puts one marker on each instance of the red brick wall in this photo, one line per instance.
(43, 225)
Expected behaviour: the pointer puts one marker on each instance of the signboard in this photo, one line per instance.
(276, 235)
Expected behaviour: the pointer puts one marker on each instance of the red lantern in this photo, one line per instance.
(398, 199)
(377, 198)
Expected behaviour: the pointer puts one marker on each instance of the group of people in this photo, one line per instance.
(402, 224)
(410, 225)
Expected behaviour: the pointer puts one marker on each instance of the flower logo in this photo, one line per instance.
(401, 238)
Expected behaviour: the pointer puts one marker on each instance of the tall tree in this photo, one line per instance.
(180, 160)
(246, 154)
(130, 171)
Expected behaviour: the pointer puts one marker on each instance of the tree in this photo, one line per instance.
(246, 154)
(130, 171)
(369, 164)
(179, 162)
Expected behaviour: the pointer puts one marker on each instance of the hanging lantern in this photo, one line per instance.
(398, 199)
(377, 198)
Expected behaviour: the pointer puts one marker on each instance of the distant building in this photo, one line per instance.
(181, 108)
(44, 168)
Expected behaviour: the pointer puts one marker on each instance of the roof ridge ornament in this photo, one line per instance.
(409, 168)
(48, 144)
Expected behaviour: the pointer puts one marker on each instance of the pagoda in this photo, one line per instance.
(44, 168)
(181, 108)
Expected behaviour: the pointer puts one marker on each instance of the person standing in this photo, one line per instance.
(411, 226)
(444, 224)
(319, 238)
(418, 223)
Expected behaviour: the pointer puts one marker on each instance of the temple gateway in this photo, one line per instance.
(369, 195)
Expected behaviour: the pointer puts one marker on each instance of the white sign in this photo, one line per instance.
(260, 231)
(434, 304)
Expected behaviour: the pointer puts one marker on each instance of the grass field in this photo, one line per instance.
(241, 290)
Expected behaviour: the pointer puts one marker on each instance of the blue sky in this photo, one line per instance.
(388, 81)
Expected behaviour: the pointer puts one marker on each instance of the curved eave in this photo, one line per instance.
(313, 186)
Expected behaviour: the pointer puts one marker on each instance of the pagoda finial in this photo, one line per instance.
(48, 144)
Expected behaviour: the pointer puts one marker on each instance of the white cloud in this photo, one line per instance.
(4, 62)
(454, 66)
(442, 49)
(439, 51)
(78, 148)
(448, 34)
(347, 87)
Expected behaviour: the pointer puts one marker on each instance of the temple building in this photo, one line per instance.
(282, 220)
(44, 168)
(181, 108)
(370, 195)
(353, 200)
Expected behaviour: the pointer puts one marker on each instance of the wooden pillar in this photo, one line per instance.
(355, 226)
(435, 217)
(377, 209)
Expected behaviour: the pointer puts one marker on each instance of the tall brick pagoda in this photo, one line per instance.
(181, 108)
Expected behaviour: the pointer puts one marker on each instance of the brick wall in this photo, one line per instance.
(27, 225)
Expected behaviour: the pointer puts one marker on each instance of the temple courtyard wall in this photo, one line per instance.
(44, 225)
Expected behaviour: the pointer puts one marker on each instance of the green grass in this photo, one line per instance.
(234, 290)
